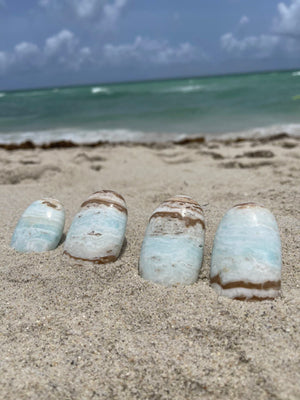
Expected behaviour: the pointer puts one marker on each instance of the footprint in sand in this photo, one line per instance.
(257, 154)
(83, 157)
(213, 154)
(29, 160)
(174, 157)
(237, 164)
(15, 175)
(91, 159)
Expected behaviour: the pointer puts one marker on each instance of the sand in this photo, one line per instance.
(101, 332)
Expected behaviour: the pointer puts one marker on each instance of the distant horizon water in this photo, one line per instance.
(232, 105)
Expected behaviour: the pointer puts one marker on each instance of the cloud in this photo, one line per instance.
(288, 22)
(26, 49)
(25, 56)
(244, 20)
(84, 56)
(107, 12)
(62, 49)
(283, 36)
(260, 46)
(65, 51)
(44, 3)
(63, 42)
(86, 8)
(149, 50)
(113, 11)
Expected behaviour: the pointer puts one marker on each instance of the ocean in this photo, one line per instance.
(220, 106)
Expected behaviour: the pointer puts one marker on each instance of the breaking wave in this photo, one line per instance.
(185, 89)
(99, 89)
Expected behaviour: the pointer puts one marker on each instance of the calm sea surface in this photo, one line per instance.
(253, 104)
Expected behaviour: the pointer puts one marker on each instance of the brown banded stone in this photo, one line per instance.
(247, 205)
(49, 204)
(100, 260)
(178, 204)
(187, 220)
(246, 285)
(106, 203)
(111, 191)
(253, 298)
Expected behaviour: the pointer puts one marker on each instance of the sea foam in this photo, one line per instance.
(96, 90)
(83, 136)
(185, 89)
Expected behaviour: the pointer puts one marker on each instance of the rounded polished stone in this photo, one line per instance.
(172, 249)
(40, 227)
(97, 231)
(246, 256)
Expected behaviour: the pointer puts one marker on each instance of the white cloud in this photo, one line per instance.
(244, 20)
(26, 49)
(44, 3)
(184, 52)
(107, 12)
(113, 11)
(63, 42)
(149, 50)
(25, 55)
(86, 8)
(83, 56)
(288, 22)
(260, 46)
(283, 37)
(62, 49)
(85, 52)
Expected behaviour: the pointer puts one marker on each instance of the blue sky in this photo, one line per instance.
(61, 42)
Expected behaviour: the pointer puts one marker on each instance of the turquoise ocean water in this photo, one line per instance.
(250, 104)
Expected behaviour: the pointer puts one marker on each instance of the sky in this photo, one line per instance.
(65, 42)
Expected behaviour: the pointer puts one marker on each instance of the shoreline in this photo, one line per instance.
(64, 144)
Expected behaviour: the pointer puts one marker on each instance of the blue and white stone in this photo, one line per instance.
(97, 232)
(246, 256)
(40, 227)
(172, 249)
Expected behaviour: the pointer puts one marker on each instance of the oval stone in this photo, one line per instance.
(97, 231)
(246, 256)
(40, 227)
(172, 249)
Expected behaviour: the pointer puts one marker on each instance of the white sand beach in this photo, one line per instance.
(71, 331)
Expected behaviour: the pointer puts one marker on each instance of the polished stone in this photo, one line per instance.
(97, 231)
(172, 249)
(246, 256)
(40, 227)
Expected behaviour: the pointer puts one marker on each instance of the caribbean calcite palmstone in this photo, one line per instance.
(40, 227)
(246, 256)
(172, 249)
(97, 231)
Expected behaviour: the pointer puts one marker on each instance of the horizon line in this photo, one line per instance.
(150, 80)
